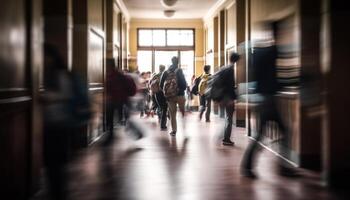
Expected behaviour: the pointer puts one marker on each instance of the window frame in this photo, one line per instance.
(166, 47)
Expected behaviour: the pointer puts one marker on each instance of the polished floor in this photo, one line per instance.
(193, 165)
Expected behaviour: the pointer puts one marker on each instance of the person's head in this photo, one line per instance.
(234, 57)
(161, 68)
(175, 60)
(206, 69)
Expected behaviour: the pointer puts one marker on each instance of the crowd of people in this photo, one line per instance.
(66, 104)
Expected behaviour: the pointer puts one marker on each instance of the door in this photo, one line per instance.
(163, 58)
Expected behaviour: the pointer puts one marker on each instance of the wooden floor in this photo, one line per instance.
(193, 166)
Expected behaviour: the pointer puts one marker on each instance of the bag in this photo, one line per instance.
(170, 87)
(154, 84)
(194, 89)
(203, 84)
(215, 87)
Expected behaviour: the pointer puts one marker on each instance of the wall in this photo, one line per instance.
(20, 128)
(197, 24)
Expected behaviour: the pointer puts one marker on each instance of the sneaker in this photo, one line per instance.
(207, 120)
(288, 172)
(163, 128)
(228, 143)
(248, 173)
(172, 133)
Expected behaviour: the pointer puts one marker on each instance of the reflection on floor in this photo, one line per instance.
(195, 167)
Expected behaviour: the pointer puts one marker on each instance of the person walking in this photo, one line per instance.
(205, 104)
(160, 98)
(173, 85)
(221, 90)
(267, 86)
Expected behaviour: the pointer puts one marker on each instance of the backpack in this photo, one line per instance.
(203, 84)
(154, 84)
(170, 87)
(215, 87)
(194, 89)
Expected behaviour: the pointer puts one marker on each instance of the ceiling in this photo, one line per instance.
(185, 9)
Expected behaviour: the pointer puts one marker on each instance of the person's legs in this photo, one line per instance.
(228, 122)
(110, 120)
(119, 108)
(202, 106)
(181, 102)
(173, 109)
(208, 107)
(247, 163)
(162, 104)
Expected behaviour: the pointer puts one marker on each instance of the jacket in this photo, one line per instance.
(228, 82)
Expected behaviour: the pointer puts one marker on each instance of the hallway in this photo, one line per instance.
(164, 167)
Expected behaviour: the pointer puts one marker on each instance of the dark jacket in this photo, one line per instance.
(229, 81)
(264, 63)
(181, 81)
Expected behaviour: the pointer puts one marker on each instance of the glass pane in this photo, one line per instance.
(144, 61)
(173, 37)
(187, 64)
(163, 58)
(158, 37)
(186, 38)
(145, 37)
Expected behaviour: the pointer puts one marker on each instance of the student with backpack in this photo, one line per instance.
(159, 97)
(173, 85)
(205, 104)
(221, 89)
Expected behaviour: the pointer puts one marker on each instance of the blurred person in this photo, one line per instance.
(121, 88)
(264, 64)
(160, 98)
(189, 98)
(173, 85)
(205, 104)
(144, 92)
(117, 97)
(66, 107)
(221, 90)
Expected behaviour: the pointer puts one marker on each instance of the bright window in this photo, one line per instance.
(144, 61)
(163, 58)
(158, 37)
(187, 64)
(145, 37)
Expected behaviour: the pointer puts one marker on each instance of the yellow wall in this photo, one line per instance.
(197, 24)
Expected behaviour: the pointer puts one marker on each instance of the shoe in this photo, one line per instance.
(248, 173)
(207, 120)
(163, 128)
(288, 172)
(228, 143)
(172, 133)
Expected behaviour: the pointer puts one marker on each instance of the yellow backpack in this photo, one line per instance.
(203, 84)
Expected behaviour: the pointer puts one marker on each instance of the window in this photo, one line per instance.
(145, 37)
(180, 37)
(163, 58)
(187, 64)
(144, 61)
(165, 37)
(157, 47)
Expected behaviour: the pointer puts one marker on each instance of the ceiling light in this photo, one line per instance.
(168, 3)
(169, 13)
